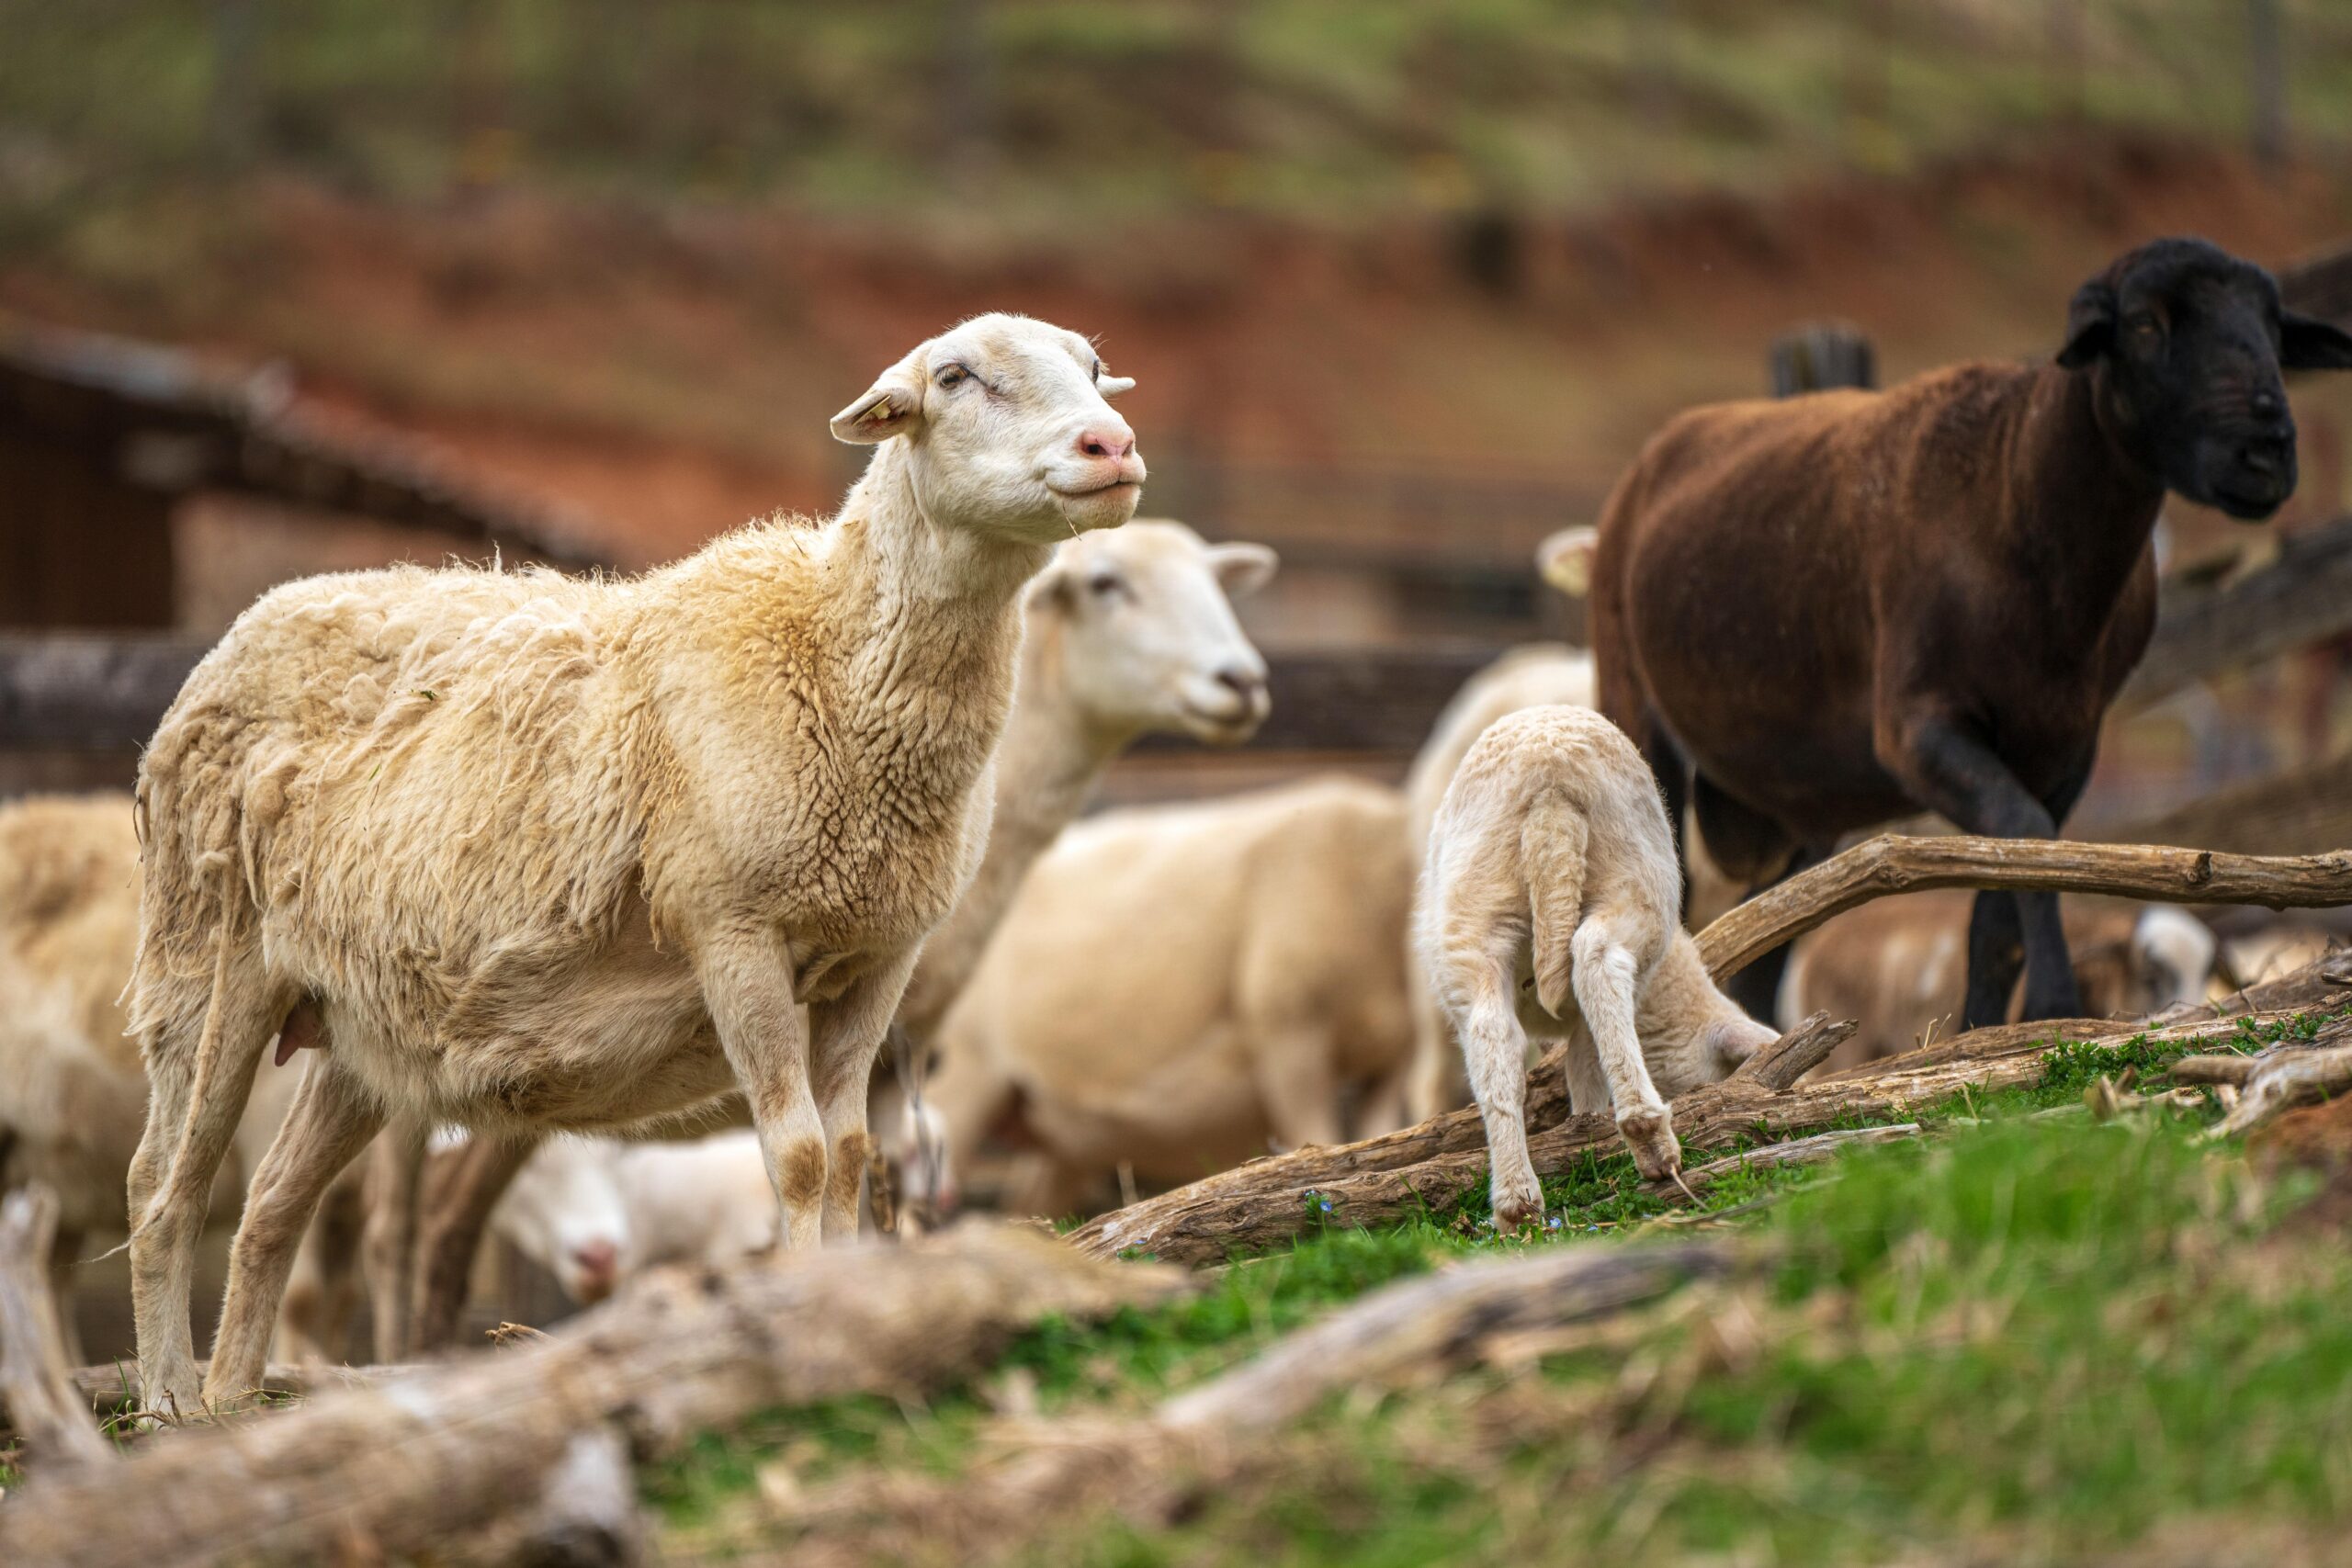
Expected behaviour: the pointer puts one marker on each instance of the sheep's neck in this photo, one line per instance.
(1046, 766)
(2080, 511)
(931, 638)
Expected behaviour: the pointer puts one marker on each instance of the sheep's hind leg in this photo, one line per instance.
(329, 1122)
(199, 1074)
(845, 1037)
(1605, 979)
(395, 1177)
(1478, 992)
(465, 1186)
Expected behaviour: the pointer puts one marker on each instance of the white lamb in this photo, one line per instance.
(529, 852)
(1550, 906)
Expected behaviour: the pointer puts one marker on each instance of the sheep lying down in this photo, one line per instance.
(1550, 907)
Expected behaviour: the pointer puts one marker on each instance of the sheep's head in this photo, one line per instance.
(1006, 430)
(2187, 344)
(564, 1212)
(2174, 955)
(1147, 637)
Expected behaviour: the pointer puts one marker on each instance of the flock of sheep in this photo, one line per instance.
(522, 855)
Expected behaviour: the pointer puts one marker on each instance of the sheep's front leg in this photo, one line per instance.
(1606, 980)
(746, 976)
(845, 1035)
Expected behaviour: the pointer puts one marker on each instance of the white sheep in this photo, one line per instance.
(529, 852)
(1550, 906)
(1173, 986)
(72, 1094)
(1126, 633)
(595, 1212)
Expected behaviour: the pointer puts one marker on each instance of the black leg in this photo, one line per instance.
(1947, 768)
(1996, 958)
(2050, 987)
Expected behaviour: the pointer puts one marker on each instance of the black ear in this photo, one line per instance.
(2090, 325)
(2306, 342)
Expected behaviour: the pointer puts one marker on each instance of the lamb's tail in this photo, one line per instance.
(1552, 843)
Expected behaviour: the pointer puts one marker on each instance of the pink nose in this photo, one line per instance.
(600, 1260)
(1110, 441)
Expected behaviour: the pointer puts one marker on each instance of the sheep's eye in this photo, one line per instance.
(1103, 585)
(2144, 326)
(952, 377)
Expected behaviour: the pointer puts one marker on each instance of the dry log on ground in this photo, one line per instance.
(2285, 1077)
(1815, 1150)
(1892, 863)
(112, 1386)
(1050, 1469)
(1272, 1201)
(433, 1457)
(44, 1408)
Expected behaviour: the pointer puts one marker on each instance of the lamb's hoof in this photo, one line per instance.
(1650, 1135)
(1515, 1203)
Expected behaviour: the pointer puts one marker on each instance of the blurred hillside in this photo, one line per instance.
(1030, 115)
(1402, 284)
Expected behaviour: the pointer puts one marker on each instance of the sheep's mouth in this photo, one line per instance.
(1222, 729)
(1088, 494)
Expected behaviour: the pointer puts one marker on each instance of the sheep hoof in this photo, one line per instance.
(1650, 1135)
(1515, 1203)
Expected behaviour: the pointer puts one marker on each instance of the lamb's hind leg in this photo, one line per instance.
(1606, 979)
(200, 1070)
(329, 1122)
(1476, 988)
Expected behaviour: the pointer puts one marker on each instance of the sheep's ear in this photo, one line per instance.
(2090, 325)
(2306, 342)
(890, 407)
(1565, 560)
(1243, 568)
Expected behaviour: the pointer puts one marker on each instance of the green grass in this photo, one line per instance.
(2050, 1336)
(2063, 1283)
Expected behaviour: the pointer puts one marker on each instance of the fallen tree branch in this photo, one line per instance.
(1892, 863)
(1276, 1200)
(1780, 1065)
(1047, 1469)
(111, 1386)
(1815, 1150)
(44, 1406)
(2285, 1077)
(435, 1456)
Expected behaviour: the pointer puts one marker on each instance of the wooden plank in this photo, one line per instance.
(88, 694)
(2303, 811)
(2302, 597)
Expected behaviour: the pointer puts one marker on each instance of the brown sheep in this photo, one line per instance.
(1818, 614)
